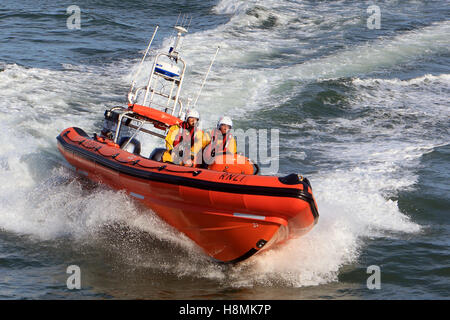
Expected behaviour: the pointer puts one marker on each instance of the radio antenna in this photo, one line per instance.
(133, 83)
(206, 76)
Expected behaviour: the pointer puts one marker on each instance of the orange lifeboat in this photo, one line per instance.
(230, 215)
(227, 209)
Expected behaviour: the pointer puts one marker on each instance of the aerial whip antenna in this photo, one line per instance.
(133, 83)
(206, 76)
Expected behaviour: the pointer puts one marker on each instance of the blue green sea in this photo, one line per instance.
(363, 111)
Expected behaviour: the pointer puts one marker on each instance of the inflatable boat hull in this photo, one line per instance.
(230, 216)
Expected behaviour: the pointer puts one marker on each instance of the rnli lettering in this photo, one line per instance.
(232, 177)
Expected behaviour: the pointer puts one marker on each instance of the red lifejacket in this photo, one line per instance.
(179, 138)
(226, 139)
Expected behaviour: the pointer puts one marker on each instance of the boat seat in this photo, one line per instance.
(157, 154)
(134, 146)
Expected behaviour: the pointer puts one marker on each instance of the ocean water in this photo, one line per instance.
(363, 113)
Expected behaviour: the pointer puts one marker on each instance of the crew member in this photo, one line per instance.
(220, 141)
(184, 141)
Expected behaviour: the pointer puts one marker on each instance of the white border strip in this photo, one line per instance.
(250, 216)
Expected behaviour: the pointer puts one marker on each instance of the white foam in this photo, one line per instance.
(61, 206)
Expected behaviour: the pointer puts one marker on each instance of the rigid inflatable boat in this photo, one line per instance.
(230, 211)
